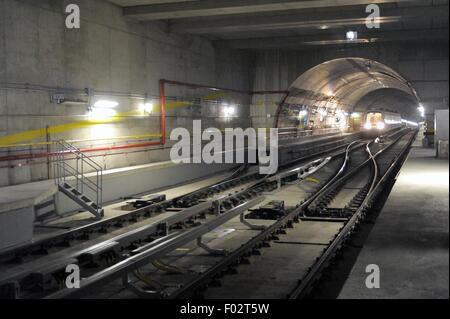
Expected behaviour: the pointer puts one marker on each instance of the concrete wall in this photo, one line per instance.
(441, 128)
(425, 65)
(119, 59)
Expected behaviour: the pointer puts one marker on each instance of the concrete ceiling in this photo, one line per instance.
(258, 24)
(130, 3)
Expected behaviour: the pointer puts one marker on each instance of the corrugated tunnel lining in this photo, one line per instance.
(352, 84)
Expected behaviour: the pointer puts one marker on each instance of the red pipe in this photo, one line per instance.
(120, 147)
(162, 98)
(85, 150)
(197, 86)
(193, 85)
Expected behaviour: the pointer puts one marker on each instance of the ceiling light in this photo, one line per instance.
(351, 35)
(421, 110)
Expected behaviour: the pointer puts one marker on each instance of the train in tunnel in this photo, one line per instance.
(378, 122)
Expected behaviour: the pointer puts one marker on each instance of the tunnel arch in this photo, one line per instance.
(348, 85)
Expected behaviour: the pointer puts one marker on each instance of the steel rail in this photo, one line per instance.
(305, 284)
(105, 222)
(336, 176)
(154, 252)
(122, 241)
(265, 235)
(151, 229)
(246, 249)
(92, 227)
(335, 181)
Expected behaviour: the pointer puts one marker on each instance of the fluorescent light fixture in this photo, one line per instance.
(106, 104)
(351, 35)
(229, 110)
(355, 115)
(101, 113)
(147, 107)
(323, 27)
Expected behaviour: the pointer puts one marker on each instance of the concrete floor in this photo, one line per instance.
(409, 241)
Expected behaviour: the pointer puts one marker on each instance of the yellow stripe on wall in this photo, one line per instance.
(11, 140)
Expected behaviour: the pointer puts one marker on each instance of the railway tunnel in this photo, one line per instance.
(349, 85)
(223, 150)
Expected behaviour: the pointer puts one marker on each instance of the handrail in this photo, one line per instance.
(73, 170)
(294, 132)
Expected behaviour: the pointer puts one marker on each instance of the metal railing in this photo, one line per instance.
(71, 167)
(294, 132)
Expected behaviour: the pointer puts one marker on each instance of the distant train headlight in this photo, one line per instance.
(367, 126)
(381, 125)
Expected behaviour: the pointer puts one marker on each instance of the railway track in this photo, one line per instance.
(133, 258)
(36, 269)
(245, 282)
(236, 276)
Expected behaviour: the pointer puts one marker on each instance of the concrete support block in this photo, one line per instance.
(16, 227)
(119, 183)
(442, 151)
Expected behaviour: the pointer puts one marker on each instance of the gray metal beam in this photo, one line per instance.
(323, 19)
(333, 39)
(223, 7)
